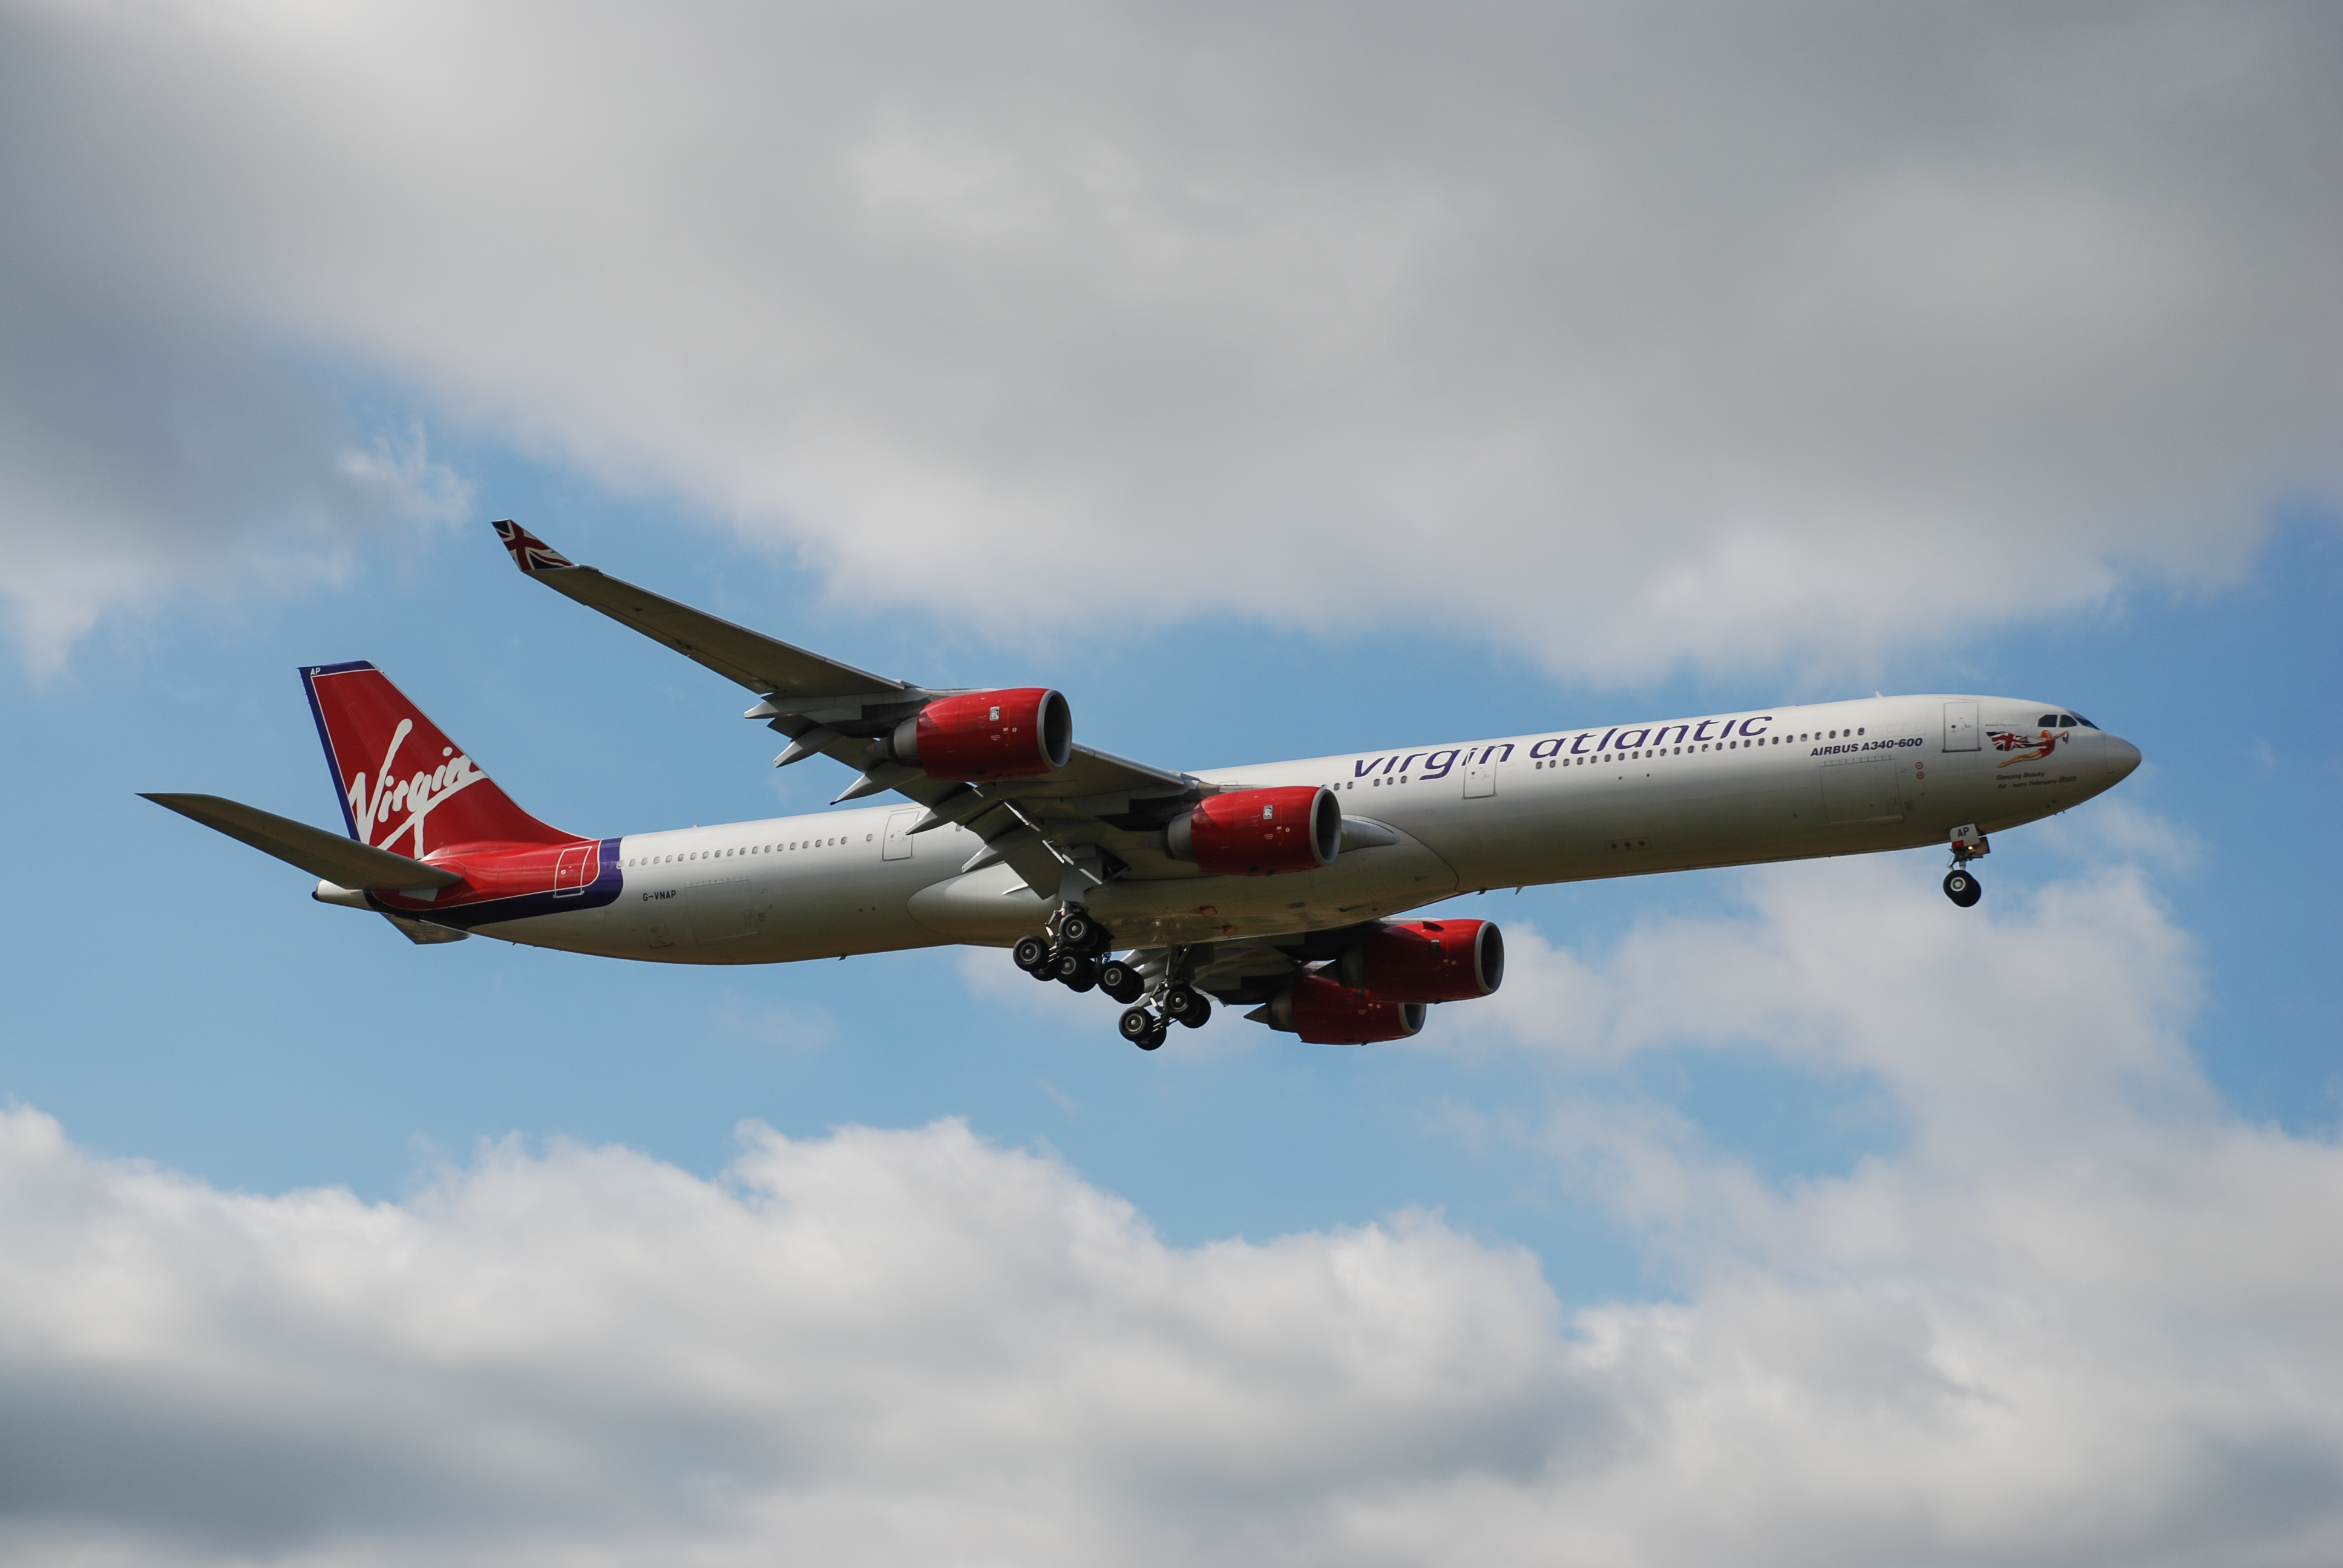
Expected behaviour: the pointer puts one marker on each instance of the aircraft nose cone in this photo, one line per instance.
(2122, 756)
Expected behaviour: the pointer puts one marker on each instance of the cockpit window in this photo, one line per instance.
(2084, 722)
(2049, 721)
(2067, 721)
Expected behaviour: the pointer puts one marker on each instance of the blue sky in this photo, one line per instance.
(267, 1043)
(1274, 386)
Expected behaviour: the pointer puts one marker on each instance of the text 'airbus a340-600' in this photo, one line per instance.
(1276, 886)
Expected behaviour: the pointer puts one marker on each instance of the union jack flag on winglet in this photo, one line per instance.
(529, 553)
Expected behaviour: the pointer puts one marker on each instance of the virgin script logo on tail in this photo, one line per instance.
(414, 796)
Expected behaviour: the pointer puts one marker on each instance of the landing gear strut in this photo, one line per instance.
(1960, 885)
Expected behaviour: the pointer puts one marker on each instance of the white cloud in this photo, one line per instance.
(2082, 1315)
(1618, 335)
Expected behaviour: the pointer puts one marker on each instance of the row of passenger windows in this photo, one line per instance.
(2047, 721)
(1664, 751)
(689, 855)
(1637, 756)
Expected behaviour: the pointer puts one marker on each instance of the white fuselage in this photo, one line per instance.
(1559, 806)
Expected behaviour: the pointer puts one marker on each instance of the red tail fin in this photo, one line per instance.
(406, 786)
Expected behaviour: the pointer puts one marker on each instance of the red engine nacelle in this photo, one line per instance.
(1328, 1012)
(1427, 961)
(1260, 832)
(982, 735)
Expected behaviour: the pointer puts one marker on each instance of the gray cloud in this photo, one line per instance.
(157, 431)
(2082, 1315)
(1618, 335)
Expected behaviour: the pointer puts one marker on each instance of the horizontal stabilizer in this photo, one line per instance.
(314, 849)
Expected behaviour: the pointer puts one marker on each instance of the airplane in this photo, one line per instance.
(1277, 887)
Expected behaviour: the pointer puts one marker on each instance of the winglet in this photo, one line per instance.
(529, 552)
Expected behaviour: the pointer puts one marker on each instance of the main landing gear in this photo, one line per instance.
(1960, 885)
(1176, 1001)
(1142, 1028)
(1076, 956)
(1182, 1004)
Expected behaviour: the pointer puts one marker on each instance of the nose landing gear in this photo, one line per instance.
(1960, 885)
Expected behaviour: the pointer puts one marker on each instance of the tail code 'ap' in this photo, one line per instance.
(404, 785)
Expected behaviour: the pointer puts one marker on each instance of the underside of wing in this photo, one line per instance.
(1242, 972)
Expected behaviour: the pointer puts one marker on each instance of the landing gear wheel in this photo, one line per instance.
(1121, 982)
(1078, 933)
(1077, 971)
(1140, 1027)
(1188, 1005)
(1962, 888)
(1030, 954)
(1154, 1041)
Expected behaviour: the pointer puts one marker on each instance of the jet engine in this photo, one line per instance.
(984, 734)
(1327, 1012)
(1260, 832)
(1426, 960)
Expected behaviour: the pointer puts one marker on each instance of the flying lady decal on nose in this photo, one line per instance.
(2043, 742)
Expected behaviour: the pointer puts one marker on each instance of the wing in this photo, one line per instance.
(782, 673)
(1042, 826)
